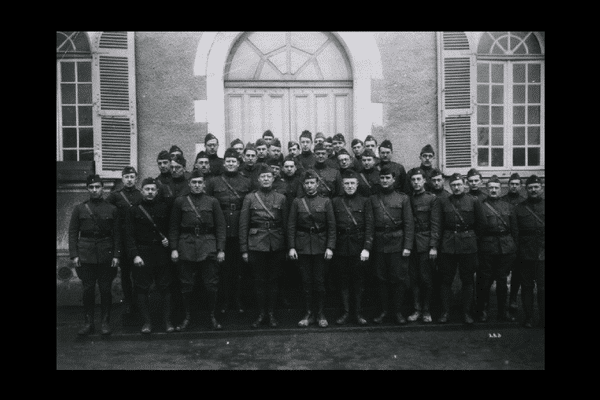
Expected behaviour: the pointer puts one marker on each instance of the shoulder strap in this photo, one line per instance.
(386, 210)
(263, 205)
(496, 213)
(92, 215)
(412, 206)
(194, 208)
(229, 186)
(348, 211)
(322, 181)
(151, 220)
(535, 215)
(125, 197)
(308, 211)
(456, 212)
(365, 179)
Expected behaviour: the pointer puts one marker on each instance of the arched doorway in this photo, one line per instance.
(287, 82)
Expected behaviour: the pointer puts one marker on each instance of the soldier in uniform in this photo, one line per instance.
(371, 144)
(426, 156)
(250, 167)
(238, 146)
(331, 156)
(278, 183)
(427, 215)
(262, 242)
(358, 147)
(124, 198)
(275, 151)
(229, 189)
(474, 181)
(262, 151)
(211, 143)
(338, 143)
(514, 197)
(178, 185)
(531, 220)
(311, 236)
(346, 162)
(147, 225)
(175, 150)
(197, 234)
(354, 225)
(163, 160)
(95, 249)
(202, 164)
(319, 138)
(268, 137)
(294, 148)
(306, 157)
(497, 250)
(462, 220)
(385, 154)
(330, 180)
(368, 176)
(394, 238)
(437, 183)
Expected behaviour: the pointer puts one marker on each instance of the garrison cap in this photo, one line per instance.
(493, 179)
(163, 155)
(268, 133)
(290, 157)
(175, 148)
(338, 137)
(415, 171)
(230, 153)
(276, 142)
(291, 144)
(436, 172)
(427, 149)
(455, 177)
(149, 181)
(473, 172)
(533, 179)
(370, 138)
(236, 141)
(93, 178)
(342, 151)
(319, 135)
(128, 170)
(387, 144)
(261, 142)
(349, 173)
(387, 170)
(310, 174)
(196, 174)
(201, 154)
(329, 139)
(264, 169)
(210, 136)
(319, 146)
(249, 146)
(307, 134)
(178, 158)
(515, 176)
(356, 141)
(368, 153)
(274, 161)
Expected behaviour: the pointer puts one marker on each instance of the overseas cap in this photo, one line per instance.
(94, 179)
(387, 144)
(493, 179)
(175, 148)
(338, 137)
(533, 179)
(455, 177)
(515, 176)
(128, 170)
(230, 153)
(427, 149)
(368, 153)
(268, 133)
(149, 181)
(210, 136)
(415, 171)
(163, 155)
(178, 158)
(307, 134)
(473, 172)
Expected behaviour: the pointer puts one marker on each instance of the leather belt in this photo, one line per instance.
(312, 229)
(500, 233)
(148, 242)
(198, 230)
(230, 207)
(531, 232)
(94, 235)
(265, 225)
(387, 230)
(462, 230)
(348, 231)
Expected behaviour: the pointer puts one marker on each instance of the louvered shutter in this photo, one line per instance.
(115, 128)
(456, 66)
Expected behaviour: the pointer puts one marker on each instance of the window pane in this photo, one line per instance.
(533, 45)
(519, 157)
(518, 115)
(68, 115)
(534, 73)
(533, 135)
(497, 115)
(84, 93)
(67, 93)
(483, 157)
(497, 136)
(497, 94)
(533, 156)
(483, 115)
(70, 155)
(519, 94)
(534, 94)
(84, 71)
(533, 115)
(69, 137)
(483, 94)
(67, 72)
(497, 73)
(520, 49)
(483, 73)
(85, 115)
(86, 137)
(519, 136)
(497, 157)
(483, 136)
(519, 73)
(503, 41)
(86, 155)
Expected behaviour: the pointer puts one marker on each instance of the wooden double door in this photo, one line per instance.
(287, 112)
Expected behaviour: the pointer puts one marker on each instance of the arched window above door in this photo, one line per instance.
(288, 56)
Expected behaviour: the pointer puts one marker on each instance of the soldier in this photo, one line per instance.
(354, 225)
(211, 143)
(125, 197)
(306, 157)
(462, 219)
(229, 189)
(95, 248)
(202, 164)
(262, 242)
(146, 225)
(293, 148)
(371, 144)
(268, 137)
(394, 237)
(358, 147)
(197, 234)
(437, 183)
(368, 182)
(497, 250)
(346, 162)
(262, 151)
(474, 181)
(178, 185)
(275, 151)
(385, 154)
(164, 167)
(238, 146)
(331, 156)
(514, 197)
(174, 150)
(250, 168)
(531, 220)
(311, 237)
(319, 138)
(330, 180)
(427, 215)
(426, 166)
(437, 188)
(278, 183)
(338, 142)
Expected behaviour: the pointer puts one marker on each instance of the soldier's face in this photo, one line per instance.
(176, 169)
(197, 185)
(250, 157)
(164, 166)
(321, 156)
(457, 187)
(310, 185)
(358, 148)
(534, 190)
(371, 144)
(294, 150)
(261, 151)
(493, 190)
(319, 140)
(275, 151)
(149, 191)
(344, 161)
(305, 144)
(129, 180)
(203, 165)
(514, 186)
(474, 182)
(95, 190)
(417, 182)
(289, 168)
(437, 182)
(266, 180)
(239, 148)
(350, 186)
(386, 181)
(426, 159)
(385, 154)
(328, 147)
(337, 145)
(276, 171)
(268, 139)
(212, 146)
(368, 162)
(231, 164)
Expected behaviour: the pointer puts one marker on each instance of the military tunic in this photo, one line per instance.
(216, 164)
(330, 180)
(399, 176)
(307, 159)
(515, 279)
(426, 176)
(368, 182)
(251, 172)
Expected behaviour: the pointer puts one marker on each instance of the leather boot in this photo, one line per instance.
(88, 327)
(527, 300)
(399, 292)
(187, 307)
(212, 304)
(238, 294)
(384, 297)
(467, 298)
(346, 305)
(307, 320)
(321, 313)
(261, 318)
(501, 296)
(169, 328)
(143, 306)
(105, 328)
(359, 317)
(445, 300)
(483, 312)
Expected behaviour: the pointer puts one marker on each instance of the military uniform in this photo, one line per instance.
(392, 236)
(310, 235)
(497, 251)
(262, 236)
(307, 159)
(515, 279)
(96, 240)
(352, 239)
(330, 180)
(399, 175)
(251, 172)
(426, 175)
(368, 182)
(216, 164)
(441, 193)
(331, 161)
(231, 204)
(197, 242)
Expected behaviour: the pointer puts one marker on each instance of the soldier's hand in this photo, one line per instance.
(114, 263)
(165, 242)
(174, 256)
(76, 262)
(293, 255)
(405, 253)
(138, 262)
(220, 256)
(328, 254)
(245, 257)
(364, 255)
(432, 254)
